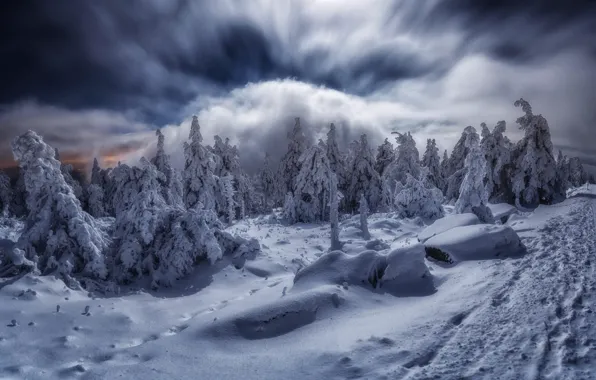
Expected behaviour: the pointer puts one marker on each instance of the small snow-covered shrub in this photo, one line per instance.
(414, 199)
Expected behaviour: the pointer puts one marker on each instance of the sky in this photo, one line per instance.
(96, 78)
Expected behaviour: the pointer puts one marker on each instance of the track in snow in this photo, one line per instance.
(540, 324)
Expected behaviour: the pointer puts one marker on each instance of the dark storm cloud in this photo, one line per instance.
(149, 61)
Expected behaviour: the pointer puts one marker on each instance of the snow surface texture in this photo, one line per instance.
(300, 312)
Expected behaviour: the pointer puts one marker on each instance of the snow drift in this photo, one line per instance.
(477, 242)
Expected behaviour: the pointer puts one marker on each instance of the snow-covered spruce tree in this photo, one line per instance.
(336, 159)
(455, 168)
(495, 148)
(364, 179)
(577, 173)
(289, 209)
(19, 197)
(171, 182)
(407, 160)
(457, 159)
(473, 196)
(5, 194)
(334, 214)
(269, 184)
(228, 164)
(432, 162)
(444, 166)
(96, 201)
(200, 183)
(534, 170)
(363, 210)
(227, 192)
(385, 156)
(563, 170)
(160, 240)
(414, 199)
(289, 166)
(67, 171)
(59, 236)
(313, 186)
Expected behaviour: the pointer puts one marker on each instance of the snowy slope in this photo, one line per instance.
(528, 317)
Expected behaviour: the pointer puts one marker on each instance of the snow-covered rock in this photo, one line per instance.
(502, 211)
(401, 272)
(447, 223)
(477, 242)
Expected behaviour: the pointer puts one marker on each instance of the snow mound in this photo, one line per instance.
(477, 242)
(281, 317)
(401, 272)
(502, 211)
(447, 223)
(586, 190)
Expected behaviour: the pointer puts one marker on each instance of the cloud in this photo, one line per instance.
(83, 133)
(376, 65)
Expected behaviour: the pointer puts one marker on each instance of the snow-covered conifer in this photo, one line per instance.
(407, 160)
(19, 197)
(269, 184)
(130, 181)
(200, 182)
(336, 160)
(496, 151)
(563, 170)
(334, 214)
(171, 182)
(289, 209)
(577, 173)
(385, 156)
(227, 193)
(432, 162)
(5, 194)
(313, 186)
(534, 176)
(455, 167)
(414, 199)
(473, 196)
(363, 210)
(289, 166)
(59, 236)
(364, 179)
(96, 201)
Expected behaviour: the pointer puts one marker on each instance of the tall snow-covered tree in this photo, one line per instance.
(59, 236)
(130, 181)
(473, 195)
(171, 182)
(289, 166)
(334, 214)
(385, 156)
(67, 171)
(5, 194)
(199, 181)
(269, 184)
(228, 164)
(495, 148)
(577, 173)
(363, 210)
(364, 179)
(19, 197)
(432, 162)
(534, 176)
(455, 167)
(312, 192)
(336, 161)
(407, 160)
(563, 170)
